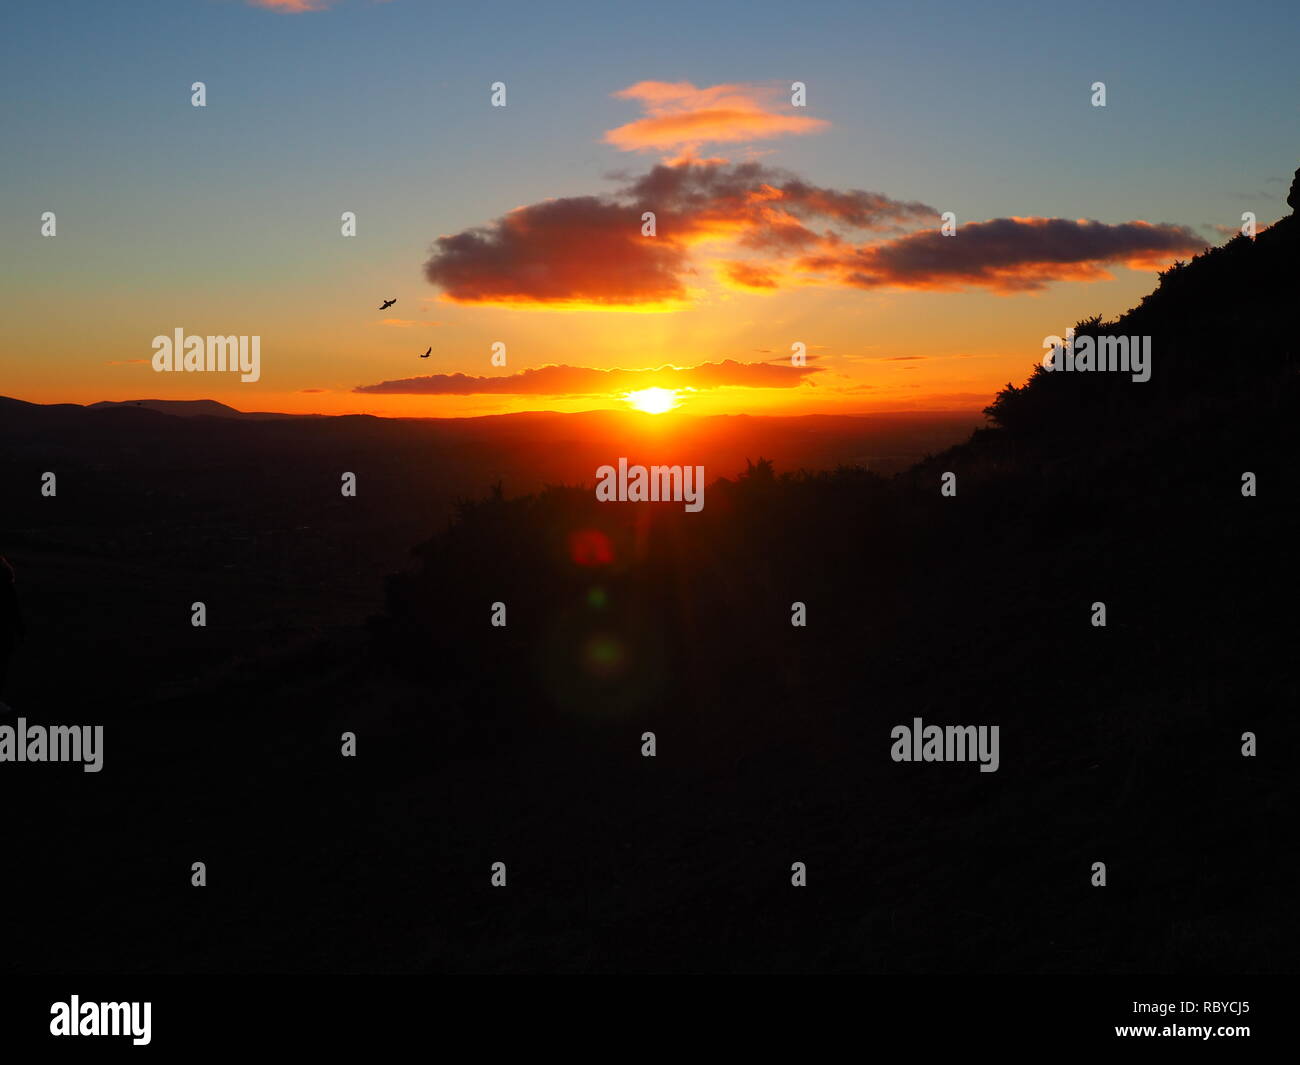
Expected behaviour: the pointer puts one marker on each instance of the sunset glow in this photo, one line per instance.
(653, 400)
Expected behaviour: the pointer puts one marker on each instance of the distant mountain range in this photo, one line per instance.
(194, 408)
(531, 446)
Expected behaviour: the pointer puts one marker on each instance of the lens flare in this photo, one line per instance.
(604, 656)
(590, 547)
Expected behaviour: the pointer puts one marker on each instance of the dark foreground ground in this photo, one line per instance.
(1120, 745)
(479, 745)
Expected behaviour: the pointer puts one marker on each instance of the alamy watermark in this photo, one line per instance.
(240, 354)
(57, 743)
(102, 1018)
(1122, 354)
(637, 484)
(946, 743)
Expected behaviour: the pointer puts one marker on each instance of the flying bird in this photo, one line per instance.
(427, 353)
(386, 304)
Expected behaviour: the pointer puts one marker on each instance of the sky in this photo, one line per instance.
(522, 225)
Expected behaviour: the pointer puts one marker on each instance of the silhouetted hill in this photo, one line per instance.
(1219, 336)
(192, 408)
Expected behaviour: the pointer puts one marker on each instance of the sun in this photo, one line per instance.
(653, 400)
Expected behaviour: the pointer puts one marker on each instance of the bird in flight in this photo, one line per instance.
(386, 304)
(427, 353)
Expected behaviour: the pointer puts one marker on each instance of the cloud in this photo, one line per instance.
(291, 7)
(761, 229)
(784, 360)
(1232, 231)
(1004, 254)
(749, 275)
(558, 380)
(312, 390)
(763, 207)
(572, 252)
(678, 115)
(588, 252)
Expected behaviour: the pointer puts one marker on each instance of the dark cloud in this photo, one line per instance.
(763, 206)
(579, 250)
(584, 380)
(589, 251)
(1006, 254)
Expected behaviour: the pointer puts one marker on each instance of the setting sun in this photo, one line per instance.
(653, 400)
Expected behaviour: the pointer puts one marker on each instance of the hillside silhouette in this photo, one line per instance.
(1122, 743)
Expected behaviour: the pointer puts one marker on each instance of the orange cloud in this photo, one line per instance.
(678, 115)
(585, 381)
(577, 252)
(588, 252)
(748, 276)
(761, 207)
